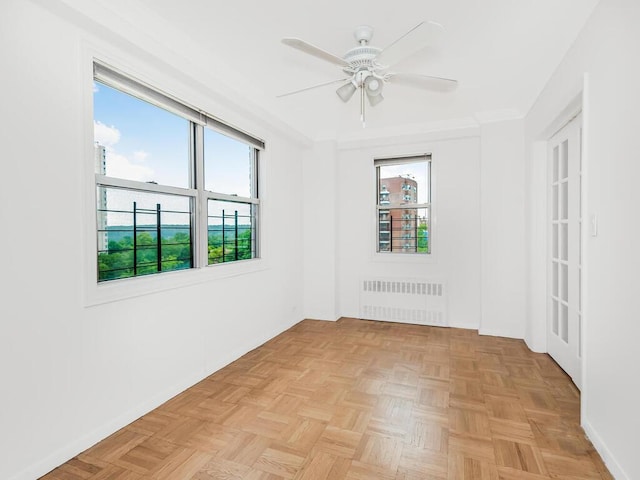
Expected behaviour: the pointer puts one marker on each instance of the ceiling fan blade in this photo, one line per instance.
(342, 80)
(420, 36)
(423, 81)
(315, 51)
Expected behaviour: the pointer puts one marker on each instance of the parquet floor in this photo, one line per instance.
(359, 400)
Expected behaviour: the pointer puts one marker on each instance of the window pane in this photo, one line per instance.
(408, 183)
(402, 227)
(136, 140)
(129, 226)
(227, 165)
(403, 230)
(231, 231)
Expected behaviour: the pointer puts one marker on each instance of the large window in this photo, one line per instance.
(403, 187)
(176, 188)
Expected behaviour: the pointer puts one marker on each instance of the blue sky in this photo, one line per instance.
(147, 143)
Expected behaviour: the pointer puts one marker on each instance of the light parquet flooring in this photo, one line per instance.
(356, 400)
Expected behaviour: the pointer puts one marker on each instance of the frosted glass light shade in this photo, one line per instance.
(373, 86)
(346, 91)
(374, 99)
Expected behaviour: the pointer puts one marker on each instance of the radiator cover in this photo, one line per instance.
(418, 301)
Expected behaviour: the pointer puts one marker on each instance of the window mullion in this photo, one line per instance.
(230, 198)
(201, 231)
(105, 181)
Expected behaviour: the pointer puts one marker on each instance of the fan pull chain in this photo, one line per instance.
(362, 106)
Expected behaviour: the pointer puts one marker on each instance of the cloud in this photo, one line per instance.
(118, 165)
(140, 156)
(121, 167)
(105, 135)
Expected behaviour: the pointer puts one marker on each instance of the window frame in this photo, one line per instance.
(404, 160)
(108, 290)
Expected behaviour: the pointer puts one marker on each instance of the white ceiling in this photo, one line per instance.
(501, 51)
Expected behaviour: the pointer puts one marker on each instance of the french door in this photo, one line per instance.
(564, 328)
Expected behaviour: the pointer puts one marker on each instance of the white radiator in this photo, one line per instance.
(422, 302)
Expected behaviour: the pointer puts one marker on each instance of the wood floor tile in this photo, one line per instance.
(570, 468)
(148, 456)
(339, 442)
(510, 430)
(77, 469)
(113, 472)
(353, 419)
(318, 466)
(505, 408)
(220, 469)
(520, 456)
(280, 461)
(210, 437)
(462, 467)
(379, 451)
(116, 445)
(355, 400)
(429, 462)
(153, 422)
(361, 471)
(244, 448)
(481, 449)
(469, 422)
(184, 464)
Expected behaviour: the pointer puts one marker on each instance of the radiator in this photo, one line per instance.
(423, 302)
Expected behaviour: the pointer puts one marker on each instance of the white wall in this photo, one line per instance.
(478, 229)
(71, 374)
(502, 227)
(320, 232)
(455, 228)
(607, 49)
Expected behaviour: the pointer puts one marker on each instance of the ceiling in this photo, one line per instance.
(502, 52)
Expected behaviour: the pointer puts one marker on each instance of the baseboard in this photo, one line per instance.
(464, 325)
(318, 319)
(607, 457)
(499, 333)
(74, 448)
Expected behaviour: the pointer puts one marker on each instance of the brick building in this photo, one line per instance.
(397, 227)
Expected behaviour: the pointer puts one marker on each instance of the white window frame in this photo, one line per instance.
(402, 160)
(106, 291)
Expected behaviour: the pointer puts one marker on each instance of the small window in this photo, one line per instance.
(156, 160)
(403, 187)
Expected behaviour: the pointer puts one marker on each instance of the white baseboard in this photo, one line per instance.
(78, 446)
(501, 333)
(465, 325)
(607, 457)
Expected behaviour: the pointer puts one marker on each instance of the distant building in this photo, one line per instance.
(398, 227)
(101, 168)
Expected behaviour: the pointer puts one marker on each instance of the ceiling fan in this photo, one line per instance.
(368, 67)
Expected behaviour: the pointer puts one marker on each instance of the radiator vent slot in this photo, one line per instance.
(421, 302)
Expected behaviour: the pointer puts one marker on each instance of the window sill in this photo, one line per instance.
(412, 258)
(116, 290)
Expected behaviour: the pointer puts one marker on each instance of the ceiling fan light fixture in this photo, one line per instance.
(375, 99)
(346, 91)
(373, 86)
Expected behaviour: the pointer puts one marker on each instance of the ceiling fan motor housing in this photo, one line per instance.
(361, 57)
(363, 33)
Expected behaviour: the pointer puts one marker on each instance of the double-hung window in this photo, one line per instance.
(176, 188)
(403, 213)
